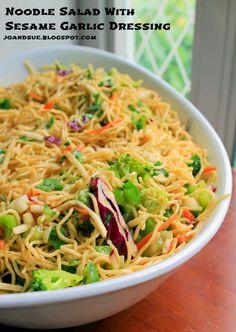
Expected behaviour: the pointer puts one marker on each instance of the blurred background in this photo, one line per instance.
(196, 56)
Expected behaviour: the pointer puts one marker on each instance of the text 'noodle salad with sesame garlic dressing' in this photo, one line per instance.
(98, 179)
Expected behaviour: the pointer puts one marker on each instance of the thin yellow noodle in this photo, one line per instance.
(59, 225)
(95, 218)
(8, 156)
(10, 287)
(77, 164)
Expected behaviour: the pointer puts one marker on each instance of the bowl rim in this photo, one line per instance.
(148, 273)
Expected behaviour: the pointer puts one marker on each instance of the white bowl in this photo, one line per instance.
(83, 304)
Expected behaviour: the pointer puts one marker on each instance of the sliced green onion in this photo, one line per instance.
(164, 172)
(48, 212)
(5, 104)
(168, 213)
(195, 164)
(133, 109)
(50, 122)
(204, 198)
(26, 139)
(129, 194)
(78, 155)
(106, 82)
(97, 103)
(103, 249)
(8, 222)
(150, 225)
(140, 123)
(54, 239)
(50, 185)
(90, 273)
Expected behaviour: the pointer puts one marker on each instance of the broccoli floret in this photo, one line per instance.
(86, 228)
(168, 213)
(127, 213)
(84, 197)
(126, 164)
(195, 164)
(53, 279)
(54, 239)
(49, 185)
(5, 104)
(71, 267)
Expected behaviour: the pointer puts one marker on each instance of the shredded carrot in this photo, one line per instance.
(209, 169)
(183, 238)
(32, 194)
(80, 147)
(33, 198)
(81, 210)
(49, 105)
(107, 126)
(142, 243)
(69, 148)
(2, 244)
(35, 96)
(35, 201)
(187, 214)
(171, 246)
(114, 96)
(167, 223)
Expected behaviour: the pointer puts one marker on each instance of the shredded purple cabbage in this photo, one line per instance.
(64, 72)
(84, 118)
(52, 139)
(111, 217)
(74, 125)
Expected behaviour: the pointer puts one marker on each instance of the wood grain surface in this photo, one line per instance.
(200, 296)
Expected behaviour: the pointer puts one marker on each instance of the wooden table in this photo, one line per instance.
(200, 296)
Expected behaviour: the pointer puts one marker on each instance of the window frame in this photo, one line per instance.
(119, 42)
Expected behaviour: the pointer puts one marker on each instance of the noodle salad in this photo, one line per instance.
(98, 178)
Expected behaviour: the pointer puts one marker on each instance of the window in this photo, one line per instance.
(167, 53)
